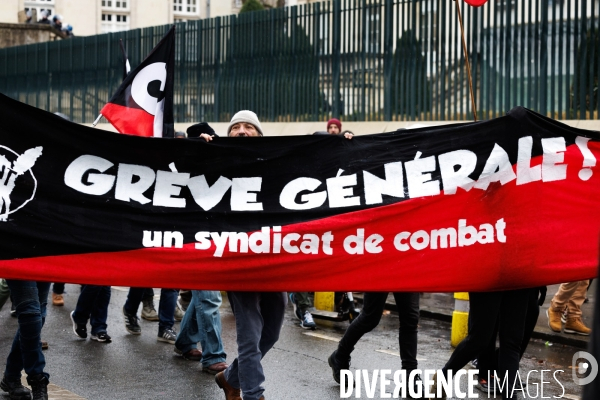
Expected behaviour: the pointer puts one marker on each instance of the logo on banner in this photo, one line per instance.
(17, 182)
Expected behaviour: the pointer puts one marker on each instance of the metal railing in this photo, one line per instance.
(361, 60)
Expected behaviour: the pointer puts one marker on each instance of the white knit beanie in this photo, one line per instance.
(245, 116)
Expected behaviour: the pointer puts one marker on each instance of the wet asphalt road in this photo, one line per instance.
(139, 367)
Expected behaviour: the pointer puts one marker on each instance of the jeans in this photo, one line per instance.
(166, 306)
(202, 323)
(93, 305)
(31, 299)
(369, 317)
(258, 320)
(508, 309)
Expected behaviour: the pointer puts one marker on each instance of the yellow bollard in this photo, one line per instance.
(324, 301)
(460, 318)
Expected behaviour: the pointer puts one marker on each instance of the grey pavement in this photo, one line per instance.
(139, 367)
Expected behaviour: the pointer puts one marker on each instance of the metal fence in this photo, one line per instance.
(362, 60)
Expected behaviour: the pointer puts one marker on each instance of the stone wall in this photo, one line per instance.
(21, 34)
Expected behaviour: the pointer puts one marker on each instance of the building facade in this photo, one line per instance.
(92, 17)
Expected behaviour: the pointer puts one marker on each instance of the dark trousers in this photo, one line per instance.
(92, 304)
(58, 288)
(258, 320)
(408, 314)
(508, 310)
(488, 359)
(166, 305)
(30, 299)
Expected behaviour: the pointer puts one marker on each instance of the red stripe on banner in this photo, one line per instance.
(132, 121)
(551, 236)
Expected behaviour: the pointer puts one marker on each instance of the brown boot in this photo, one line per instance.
(576, 325)
(231, 393)
(57, 299)
(554, 319)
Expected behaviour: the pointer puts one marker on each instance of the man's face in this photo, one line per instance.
(333, 129)
(243, 129)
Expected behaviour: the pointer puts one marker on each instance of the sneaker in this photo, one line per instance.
(15, 389)
(13, 310)
(337, 366)
(102, 337)
(178, 313)
(79, 329)
(132, 324)
(576, 325)
(308, 322)
(182, 303)
(148, 311)
(474, 363)
(554, 319)
(564, 316)
(167, 335)
(58, 300)
(483, 385)
(297, 311)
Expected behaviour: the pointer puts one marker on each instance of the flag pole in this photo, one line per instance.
(97, 120)
(464, 45)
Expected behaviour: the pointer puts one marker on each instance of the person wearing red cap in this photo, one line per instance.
(334, 127)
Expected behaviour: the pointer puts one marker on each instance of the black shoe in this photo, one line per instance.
(416, 382)
(337, 366)
(131, 323)
(79, 329)
(39, 387)
(13, 310)
(101, 337)
(15, 389)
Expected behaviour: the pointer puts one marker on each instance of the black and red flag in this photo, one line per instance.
(143, 104)
(501, 204)
(475, 3)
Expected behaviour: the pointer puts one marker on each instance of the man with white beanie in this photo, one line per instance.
(258, 315)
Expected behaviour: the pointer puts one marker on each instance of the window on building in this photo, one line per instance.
(118, 5)
(114, 22)
(185, 7)
(238, 3)
(115, 15)
(39, 6)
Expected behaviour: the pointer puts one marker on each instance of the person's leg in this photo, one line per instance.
(408, 315)
(561, 298)
(533, 312)
(99, 313)
(134, 298)
(57, 294)
(189, 329)
(85, 304)
(166, 309)
(302, 301)
(58, 288)
(513, 313)
(369, 318)
(576, 300)
(26, 353)
(484, 309)
(256, 315)
(4, 293)
(209, 317)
